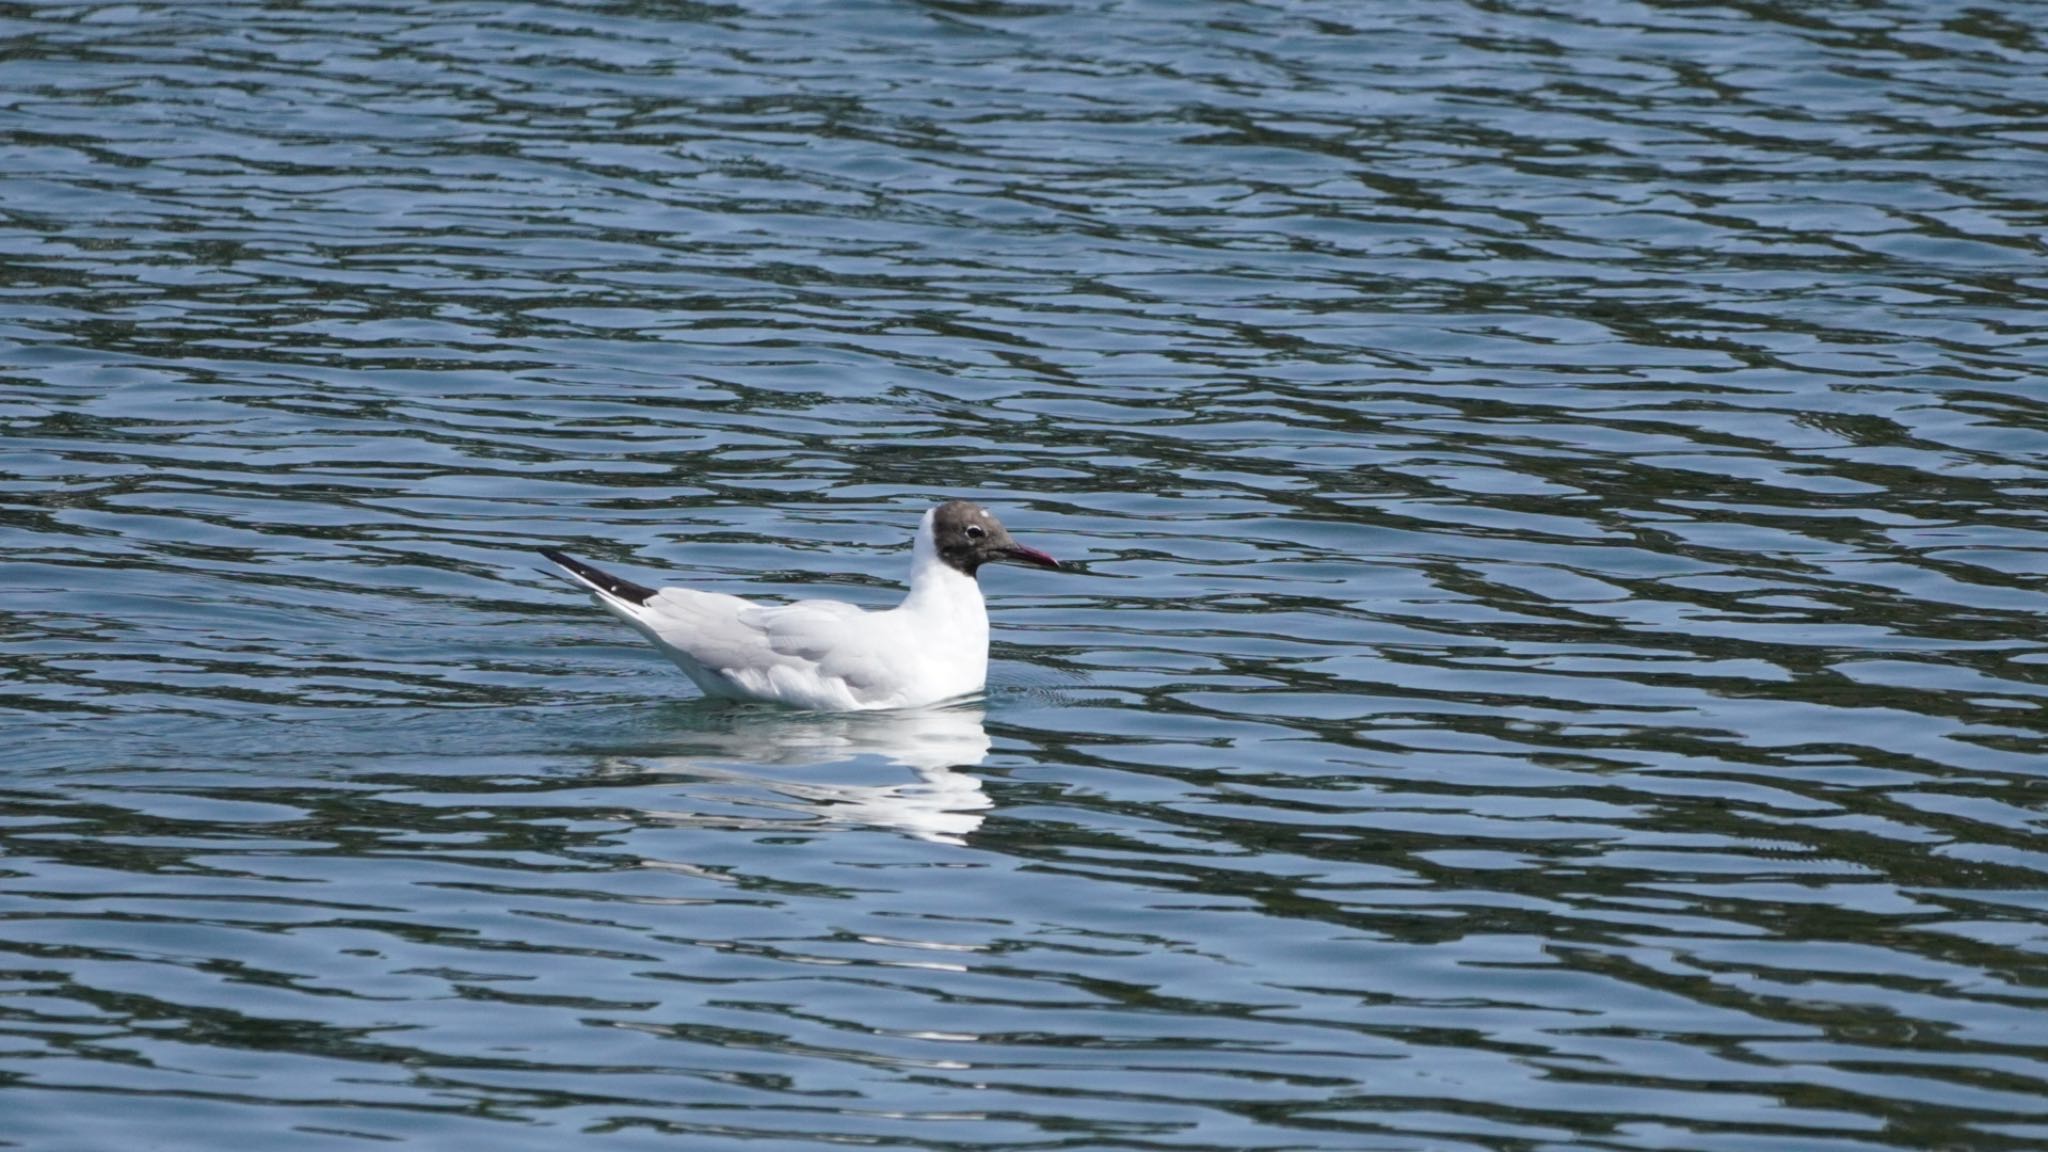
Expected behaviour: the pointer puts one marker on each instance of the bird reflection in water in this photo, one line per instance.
(831, 769)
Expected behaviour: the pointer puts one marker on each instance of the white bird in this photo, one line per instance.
(826, 654)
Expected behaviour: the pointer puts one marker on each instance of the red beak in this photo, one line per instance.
(1023, 555)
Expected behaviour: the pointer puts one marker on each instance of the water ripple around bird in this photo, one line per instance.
(1556, 657)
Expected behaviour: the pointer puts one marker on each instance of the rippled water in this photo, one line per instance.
(1557, 658)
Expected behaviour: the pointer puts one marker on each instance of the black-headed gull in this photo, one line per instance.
(826, 654)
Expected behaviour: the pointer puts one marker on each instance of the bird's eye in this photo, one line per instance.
(974, 532)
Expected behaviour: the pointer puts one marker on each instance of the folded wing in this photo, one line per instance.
(813, 653)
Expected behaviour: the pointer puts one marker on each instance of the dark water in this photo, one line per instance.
(1558, 657)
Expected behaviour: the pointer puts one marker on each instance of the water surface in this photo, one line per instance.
(1556, 657)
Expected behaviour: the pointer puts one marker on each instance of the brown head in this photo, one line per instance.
(966, 536)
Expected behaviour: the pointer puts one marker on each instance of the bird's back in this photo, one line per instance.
(810, 653)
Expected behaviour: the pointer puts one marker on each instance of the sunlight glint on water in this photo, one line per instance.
(1555, 660)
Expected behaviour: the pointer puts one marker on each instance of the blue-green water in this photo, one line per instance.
(1557, 657)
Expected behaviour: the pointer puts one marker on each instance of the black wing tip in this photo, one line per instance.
(599, 578)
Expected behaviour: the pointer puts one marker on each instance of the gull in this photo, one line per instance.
(828, 655)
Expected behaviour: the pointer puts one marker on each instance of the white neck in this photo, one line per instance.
(945, 609)
(936, 586)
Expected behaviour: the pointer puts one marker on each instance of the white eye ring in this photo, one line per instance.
(974, 530)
